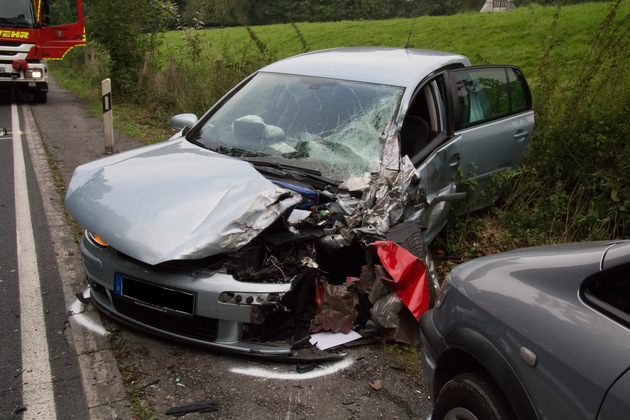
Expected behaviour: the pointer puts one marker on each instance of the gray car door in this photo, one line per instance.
(492, 112)
(436, 154)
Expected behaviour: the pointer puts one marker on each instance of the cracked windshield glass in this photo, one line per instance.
(332, 126)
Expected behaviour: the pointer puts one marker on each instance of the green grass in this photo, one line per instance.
(516, 37)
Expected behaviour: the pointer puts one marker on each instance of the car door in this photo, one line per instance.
(434, 152)
(492, 113)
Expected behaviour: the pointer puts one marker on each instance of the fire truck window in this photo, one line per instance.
(62, 12)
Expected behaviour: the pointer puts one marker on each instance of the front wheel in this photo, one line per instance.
(471, 396)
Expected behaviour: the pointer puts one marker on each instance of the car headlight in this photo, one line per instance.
(446, 287)
(96, 240)
(34, 74)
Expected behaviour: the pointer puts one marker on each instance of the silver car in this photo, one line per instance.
(538, 333)
(290, 176)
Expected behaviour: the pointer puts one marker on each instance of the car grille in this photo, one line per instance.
(200, 328)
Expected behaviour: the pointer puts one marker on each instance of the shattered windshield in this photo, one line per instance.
(332, 126)
(16, 13)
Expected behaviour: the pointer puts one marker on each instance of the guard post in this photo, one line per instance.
(108, 117)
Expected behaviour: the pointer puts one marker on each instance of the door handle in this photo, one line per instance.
(454, 161)
(520, 135)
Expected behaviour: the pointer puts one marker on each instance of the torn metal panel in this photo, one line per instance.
(336, 308)
(385, 311)
(388, 199)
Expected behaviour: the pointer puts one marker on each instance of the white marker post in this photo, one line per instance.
(108, 117)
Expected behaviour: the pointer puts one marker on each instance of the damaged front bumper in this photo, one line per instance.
(202, 307)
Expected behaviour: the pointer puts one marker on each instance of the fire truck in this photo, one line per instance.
(31, 33)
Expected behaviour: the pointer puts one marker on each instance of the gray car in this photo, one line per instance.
(290, 176)
(538, 333)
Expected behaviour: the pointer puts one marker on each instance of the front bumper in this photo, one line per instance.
(210, 319)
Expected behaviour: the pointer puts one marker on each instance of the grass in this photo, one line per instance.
(515, 38)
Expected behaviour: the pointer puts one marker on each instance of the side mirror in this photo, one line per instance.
(183, 122)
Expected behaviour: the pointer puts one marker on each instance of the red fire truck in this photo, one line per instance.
(32, 32)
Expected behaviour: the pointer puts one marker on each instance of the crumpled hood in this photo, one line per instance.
(174, 200)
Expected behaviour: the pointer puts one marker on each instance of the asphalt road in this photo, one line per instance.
(369, 383)
(43, 363)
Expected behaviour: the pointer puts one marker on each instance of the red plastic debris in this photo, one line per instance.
(408, 273)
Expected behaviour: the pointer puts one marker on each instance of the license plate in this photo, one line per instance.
(159, 298)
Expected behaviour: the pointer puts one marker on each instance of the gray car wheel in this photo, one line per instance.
(416, 245)
(471, 396)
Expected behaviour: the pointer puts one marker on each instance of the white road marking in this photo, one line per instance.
(38, 396)
(294, 376)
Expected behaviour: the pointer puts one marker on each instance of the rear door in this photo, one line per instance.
(492, 112)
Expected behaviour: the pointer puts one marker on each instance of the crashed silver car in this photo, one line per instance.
(215, 236)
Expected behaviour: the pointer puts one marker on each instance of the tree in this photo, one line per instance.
(130, 32)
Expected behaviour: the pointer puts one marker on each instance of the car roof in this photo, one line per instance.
(404, 67)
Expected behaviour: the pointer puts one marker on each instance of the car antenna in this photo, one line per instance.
(410, 32)
(408, 38)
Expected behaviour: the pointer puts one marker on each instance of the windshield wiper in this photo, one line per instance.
(13, 24)
(238, 153)
(309, 176)
(219, 147)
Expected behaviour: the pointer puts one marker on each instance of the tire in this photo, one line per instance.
(41, 97)
(471, 396)
(415, 244)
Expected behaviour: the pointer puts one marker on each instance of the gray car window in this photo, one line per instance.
(485, 94)
(609, 291)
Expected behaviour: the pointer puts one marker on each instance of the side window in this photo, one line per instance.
(424, 120)
(609, 292)
(61, 12)
(484, 94)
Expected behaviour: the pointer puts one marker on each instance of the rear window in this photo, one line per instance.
(609, 292)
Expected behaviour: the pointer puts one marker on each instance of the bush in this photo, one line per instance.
(574, 184)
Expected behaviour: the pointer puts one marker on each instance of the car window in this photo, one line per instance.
(609, 292)
(334, 126)
(487, 93)
(424, 120)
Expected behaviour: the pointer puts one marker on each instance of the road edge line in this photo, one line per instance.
(102, 383)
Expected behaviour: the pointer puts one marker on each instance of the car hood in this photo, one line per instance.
(174, 200)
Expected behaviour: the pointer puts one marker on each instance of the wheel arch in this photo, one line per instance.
(467, 351)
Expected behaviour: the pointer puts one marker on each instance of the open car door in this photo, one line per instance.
(492, 112)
